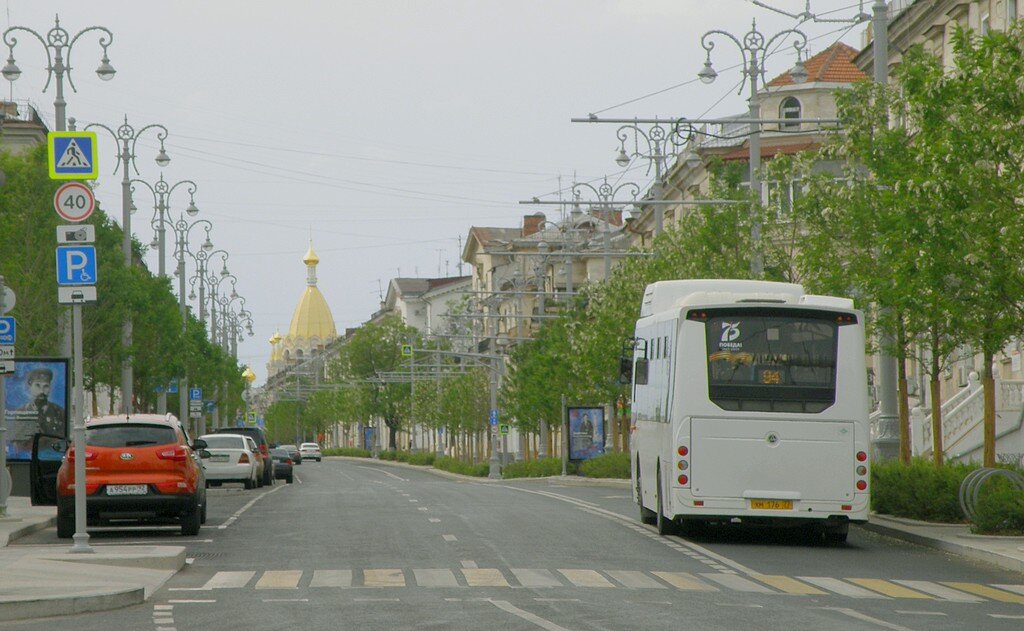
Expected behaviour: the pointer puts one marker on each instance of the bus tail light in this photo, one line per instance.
(683, 450)
(862, 456)
(847, 506)
(698, 502)
(683, 480)
(862, 485)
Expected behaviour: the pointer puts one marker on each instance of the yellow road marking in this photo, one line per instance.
(889, 589)
(383, 578)
(487, 577)
(586, 578)
(279, 579)
(682, 580)
(787, 584)
(987, 592)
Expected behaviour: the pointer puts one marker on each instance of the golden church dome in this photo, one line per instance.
(310, 258)
(312, 319)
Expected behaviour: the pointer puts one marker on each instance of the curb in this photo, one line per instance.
(25, 530)
(1005, 562)
(69, 605)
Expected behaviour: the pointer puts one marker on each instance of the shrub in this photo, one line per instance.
(919, 490)
(352, 452)
(464, 468)
(611, 465)
(388, 455)
(1000, 509)
(423, 458)
(535, 468)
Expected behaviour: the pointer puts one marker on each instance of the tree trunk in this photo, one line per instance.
(989, 386)
(903, 398)
(935, 392)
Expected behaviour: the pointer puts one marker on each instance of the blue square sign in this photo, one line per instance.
(8, 331)
(72, 155)
(76, 265)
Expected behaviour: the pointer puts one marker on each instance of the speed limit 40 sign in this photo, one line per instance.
(74, 201)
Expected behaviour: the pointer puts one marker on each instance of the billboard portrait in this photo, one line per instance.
(37, 398)
(586, 433)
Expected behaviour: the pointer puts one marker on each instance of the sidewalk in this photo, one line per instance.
(48, 580)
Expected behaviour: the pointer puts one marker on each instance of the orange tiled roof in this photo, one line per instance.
(832, 65)
(769, 150)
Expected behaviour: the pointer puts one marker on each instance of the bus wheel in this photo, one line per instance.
(693, 528)
(647, 516)
(836, 535)
(665, 526)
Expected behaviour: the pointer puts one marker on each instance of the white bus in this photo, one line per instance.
(750, 404)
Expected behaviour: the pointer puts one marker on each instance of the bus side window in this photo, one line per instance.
(640, 371)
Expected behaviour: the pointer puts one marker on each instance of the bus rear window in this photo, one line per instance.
(773, 362)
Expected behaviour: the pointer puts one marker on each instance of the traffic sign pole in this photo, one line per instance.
(81, 537)
(5, 477)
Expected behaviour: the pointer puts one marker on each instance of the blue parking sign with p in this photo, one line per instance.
(8, 331)
(195, 394)
(76, 265)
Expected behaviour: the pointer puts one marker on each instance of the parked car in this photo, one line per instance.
(259, 461)
(282, 464)
(141, 468)
(293, 451)
(232, 459)
(260, 438)
(310, 450)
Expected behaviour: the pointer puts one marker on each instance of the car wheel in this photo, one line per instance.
(65, 523)
(289, 479)
(202, 520)
(249, 483)
(268, 478)
(191, 521)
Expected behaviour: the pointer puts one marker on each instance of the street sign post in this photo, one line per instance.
(195, 394)
(76, 295)
(74, 201)
(76, 235)
(73, 155)
(76, 265)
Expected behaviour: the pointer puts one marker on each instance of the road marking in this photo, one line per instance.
(682, 580)
(839, 587)
(987, 592)
(388, 473)
(536, 578)
(238, 514)
(414, 501)
(163, 620)
(383, 578)
(143, 542)
(557, 600)
(225, 580)
(889, 589)
(921, 613)
(331, 578)
(788, 585)
(469, 564)
(434, 520)
(526, 615)
(449, 537)
(485, 577)
(378, 600)
(943, 593)
(285, 600)
(741, 605)
(435, 578)
(1005, 616)
(586, 578)
(423, 508)
(634, 580)
(191, 602)
(279, 579)
(738, 583)
(163, 607)
(866, 618)
(1011, 588)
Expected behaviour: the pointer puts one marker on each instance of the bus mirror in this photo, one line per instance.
(640, 373)
(625, 370)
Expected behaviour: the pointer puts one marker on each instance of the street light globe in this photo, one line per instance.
(105, 71)
(622, 159)
(162, 159)
(707, 74)
(192, 209)
(11, 71)
(155, 243)
(207, 245)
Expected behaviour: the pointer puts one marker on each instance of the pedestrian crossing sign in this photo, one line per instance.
(72, 155)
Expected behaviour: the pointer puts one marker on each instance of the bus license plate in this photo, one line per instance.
(127, 489)
(771, 504)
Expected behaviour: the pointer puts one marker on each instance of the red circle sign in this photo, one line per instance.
(74, 201)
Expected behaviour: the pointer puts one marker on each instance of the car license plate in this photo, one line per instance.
(220, 458)
(127, 489)
(771, 504)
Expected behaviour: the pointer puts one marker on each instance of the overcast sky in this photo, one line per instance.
(384, 129)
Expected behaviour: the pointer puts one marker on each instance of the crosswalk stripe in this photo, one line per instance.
(331, 578)
(682, 580)
(435, 578)
(987, 592)
(889, 589)
(536, 578)
(1019, 589)
(279, 579)
(586, 578)
(634, 580)
(787, 584)
(839, 587)
(484, 577)
(941, 592)
(737, 582)
(224, 580)
(383, 578)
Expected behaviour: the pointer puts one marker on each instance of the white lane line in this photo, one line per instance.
(526, 615)
(163, 620)
(142, 542)
(469, 565)
(238, 513)
(423, 508)
(285, 600)
(1005, 616)
(162, 607)
(377, 600)
(921, 613)
(229, 580)
(297, 478)
(840, 587)
(434, 520)
(738, 583)
(1019, 589)
(331, 578)
(384, 472)
(435, 578)
(449, 537)
(557, 600)
(866, 618)
(535, 578)
(191, 602)
(414, 501)
(941, 591)
(634, 579)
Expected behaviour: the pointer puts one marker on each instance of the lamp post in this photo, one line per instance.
(58, 44)
(182, 230)
(753, 49)
(127, 136)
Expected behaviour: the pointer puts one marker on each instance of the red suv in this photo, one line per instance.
(138, 467)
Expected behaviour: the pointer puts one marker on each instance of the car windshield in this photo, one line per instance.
(279, 452)
(224, 442)
(126, 435)
(310, 446)
(289, 447)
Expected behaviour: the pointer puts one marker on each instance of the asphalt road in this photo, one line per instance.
(363, 545)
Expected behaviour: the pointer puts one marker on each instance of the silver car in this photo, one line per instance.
(232, 459)
(310, 451)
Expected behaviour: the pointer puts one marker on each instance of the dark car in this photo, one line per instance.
(260, 437)
(293, 451)
(282, 464)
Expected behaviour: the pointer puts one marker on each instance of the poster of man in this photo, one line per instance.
(586, 433)
(36, 402)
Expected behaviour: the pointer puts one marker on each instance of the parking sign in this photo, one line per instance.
(8, 331)
(76, 265)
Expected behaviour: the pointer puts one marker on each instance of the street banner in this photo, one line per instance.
(586, 432)
(36, 401)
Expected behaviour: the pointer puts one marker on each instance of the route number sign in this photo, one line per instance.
(74, 201)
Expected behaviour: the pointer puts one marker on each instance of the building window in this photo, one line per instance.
(790, 108)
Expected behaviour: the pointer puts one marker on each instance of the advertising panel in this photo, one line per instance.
(38, 394)
(586, 432)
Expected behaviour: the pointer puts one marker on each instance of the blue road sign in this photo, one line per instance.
(209, 404)
(8, 331)
(494, 418)
(76, 265)
(195, 394)
(72, 155)
(172, 388)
